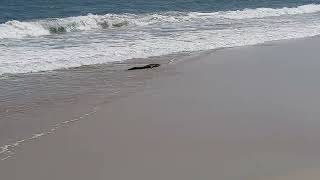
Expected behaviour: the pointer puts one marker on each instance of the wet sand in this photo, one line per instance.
(244, 113)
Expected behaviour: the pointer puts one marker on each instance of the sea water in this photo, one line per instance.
(39, 35)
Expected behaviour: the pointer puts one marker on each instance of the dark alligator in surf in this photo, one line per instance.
(149, 66)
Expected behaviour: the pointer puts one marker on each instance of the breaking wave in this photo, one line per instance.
(98, 39)
(18, 29)
(263, 12)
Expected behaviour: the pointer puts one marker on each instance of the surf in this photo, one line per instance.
(35, 28)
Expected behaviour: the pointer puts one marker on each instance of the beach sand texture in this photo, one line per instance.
(245, 113)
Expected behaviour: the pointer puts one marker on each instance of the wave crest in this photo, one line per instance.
(17, 29)
(263, 12)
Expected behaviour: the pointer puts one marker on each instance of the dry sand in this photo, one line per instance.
(244, 113)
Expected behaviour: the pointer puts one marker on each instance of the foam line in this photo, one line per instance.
(18, 29)
(7, 151)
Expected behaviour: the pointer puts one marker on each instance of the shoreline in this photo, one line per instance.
(239, 113)
(165, 59)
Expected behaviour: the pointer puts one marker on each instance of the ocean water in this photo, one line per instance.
(42, 35)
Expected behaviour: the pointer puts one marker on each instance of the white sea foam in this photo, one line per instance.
(262, 12)
(130, 36)
(18, 29)
(7, 151)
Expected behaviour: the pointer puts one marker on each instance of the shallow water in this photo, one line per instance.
(35, 103)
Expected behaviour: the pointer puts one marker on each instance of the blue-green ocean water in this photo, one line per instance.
(40, 35)
(34, 9)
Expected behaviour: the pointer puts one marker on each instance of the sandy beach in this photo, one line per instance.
(244, 113)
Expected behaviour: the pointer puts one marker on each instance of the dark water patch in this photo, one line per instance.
(57, 30)
(120, 24)
(104, 24)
